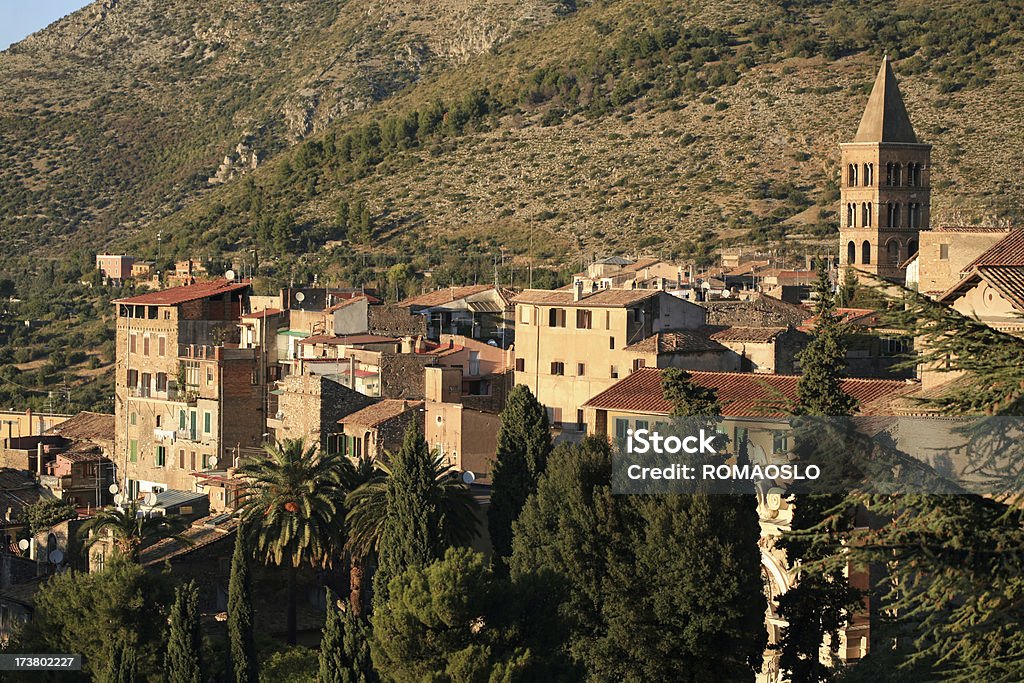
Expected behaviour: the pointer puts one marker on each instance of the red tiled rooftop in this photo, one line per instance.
(179, 295)
(677, 341)
(262, 314)
(446, 295)
(86, 426)
(1008, 251)
(741, 394)
(331, 340)
(745, 334)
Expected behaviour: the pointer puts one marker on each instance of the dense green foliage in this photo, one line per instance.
(454, 620)
(117, 614)
(182, 663)
(130, 531)
(243, 663)
(46, 512)
(523, 446)
(413, 530)
(345, 647)
(659, 588)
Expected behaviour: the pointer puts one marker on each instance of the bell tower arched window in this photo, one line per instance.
(851, 175)
(892, 249)
(851, 215)
(865, 217)
(865, 252)
(851, 252)
(869, 174)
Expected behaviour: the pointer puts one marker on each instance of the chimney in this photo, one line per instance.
(39, 458)
(408, 345)
(352, 373)
(421, 345)
(577, 290)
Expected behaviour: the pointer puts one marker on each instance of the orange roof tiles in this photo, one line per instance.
(676, 341)
(741, 394)
(1008, 251)
(332, 340)
(186, 293)
(447, 295)
(745, 334)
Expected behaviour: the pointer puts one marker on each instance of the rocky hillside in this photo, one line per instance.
(546, 128)
(127, 109)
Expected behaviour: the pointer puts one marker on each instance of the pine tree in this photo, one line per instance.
(121, 664)
(344, 648)
(184, 641)
(523, 446)
(244, 666)
(412, 530)
(823, 362)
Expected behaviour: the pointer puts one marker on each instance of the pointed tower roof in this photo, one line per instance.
(885, 118)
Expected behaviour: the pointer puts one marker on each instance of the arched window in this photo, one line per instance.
(911, 247)
(894, 215)
(917, 176)
(869, 174)
(910, 174)
(865, 252)
(914, 215)
(851, 215)
(892, 251)
(897, 174)
(851, 252)
(852, 175)
(865, 214)
(888, 173)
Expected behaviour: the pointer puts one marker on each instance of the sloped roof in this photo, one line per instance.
(741, 394)
(344, 340)
(380, 412)
(677, 341)
(745, 334)
(86, 426)
(1008, 251)
(885, 118)
(179, 295)
(1001, 266)
(603, 298)
(447, 295)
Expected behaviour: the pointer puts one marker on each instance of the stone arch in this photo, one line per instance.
(865, 252)
(892, 251)
(911, 246)
(851, 252)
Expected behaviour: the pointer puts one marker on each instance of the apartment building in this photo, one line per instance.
(187, 397)
(571, 346)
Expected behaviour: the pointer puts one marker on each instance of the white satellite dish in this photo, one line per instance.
(113, 488)
(213, 461)
(300, 297)
(230, 275)
(468, 477)
(150, 498)
(119, 499)
(56, 556)
(24, 544)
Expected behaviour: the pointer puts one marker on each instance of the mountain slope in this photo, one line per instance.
(127, 108)
(634, 124)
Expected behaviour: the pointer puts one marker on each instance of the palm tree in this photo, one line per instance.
(367, 508)
(292, 507)
(131, 531)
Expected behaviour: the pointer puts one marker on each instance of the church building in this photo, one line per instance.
(885, 187)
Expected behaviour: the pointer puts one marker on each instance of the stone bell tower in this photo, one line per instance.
(885, 187)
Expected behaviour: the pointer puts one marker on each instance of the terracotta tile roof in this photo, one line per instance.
(968, 228)
(677, 341)
(745, 334)
(180, 295)
(86, 454)
(1007, 280)
(332, 340)
(380, 412)
(86, 426)
(1008, 251)
(202, 533)
(741, 394)
(605, 298)
(447, 295)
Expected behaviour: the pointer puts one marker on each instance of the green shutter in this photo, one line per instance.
(206, 422)
(181, 420)
(134, 451)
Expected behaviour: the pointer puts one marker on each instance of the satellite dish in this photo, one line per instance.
(230, 275)
(213, 461)
(113, 488)
(24, 544)
(119, 499)
(56, 556)
(300, 297)
(150, 498)
(468, 477)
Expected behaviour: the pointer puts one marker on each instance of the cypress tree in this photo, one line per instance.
(122, 665)
(823, 362)
(524, 443)
(244, 666)
(412, 531)
(344, 648)
(184, 641)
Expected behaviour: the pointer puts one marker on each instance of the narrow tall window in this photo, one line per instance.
(865, 252)
(865, 218)
(851, 215)
(851, 252)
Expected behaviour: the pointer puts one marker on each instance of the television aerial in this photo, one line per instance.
(468, 477)
(150, 498)
(230, 275)
(56, 556)
(113, 488)
(24, 544)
